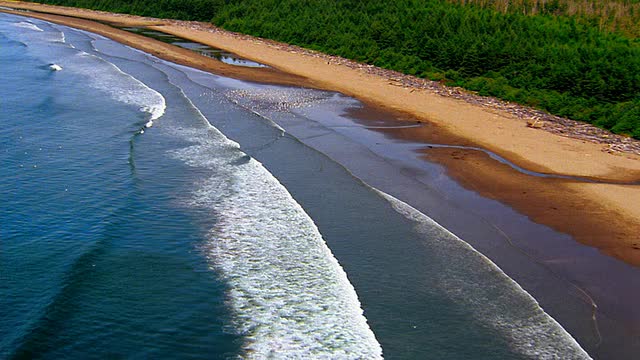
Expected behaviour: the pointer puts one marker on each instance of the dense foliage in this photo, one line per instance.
(557, 63)
(200, 10)
(621, 16)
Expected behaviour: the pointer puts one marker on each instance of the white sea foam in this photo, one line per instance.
(276, 98)
(121, 86)
(100, 73)
(290, 297)
(28, 25)
(57, 35)
(472, 279)
(62, 37)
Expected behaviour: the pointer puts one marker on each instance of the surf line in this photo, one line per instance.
(585, 294)
(246, 261)
(417, 216)
(589, 299)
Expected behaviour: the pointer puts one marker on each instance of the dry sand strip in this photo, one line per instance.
(606, 216)
(166, 51)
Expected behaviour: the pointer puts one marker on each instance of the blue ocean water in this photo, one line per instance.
(150, 210)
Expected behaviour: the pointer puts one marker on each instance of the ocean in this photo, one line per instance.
(150, 210)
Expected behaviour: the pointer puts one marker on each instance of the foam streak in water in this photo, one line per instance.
(100, 73)
(476, 282)
(290, 297)
(28, 25)
(121, 86)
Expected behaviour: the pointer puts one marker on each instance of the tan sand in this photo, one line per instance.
(591, 213)
(600, 215)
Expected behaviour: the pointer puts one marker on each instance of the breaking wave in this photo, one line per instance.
(289, 296)
(28, 25)
(107, 77)
(498, 301)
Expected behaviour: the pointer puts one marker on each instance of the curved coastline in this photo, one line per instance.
(451, 122)
(531, 166)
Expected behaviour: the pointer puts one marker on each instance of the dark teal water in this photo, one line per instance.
(149, 210)
(96, 256)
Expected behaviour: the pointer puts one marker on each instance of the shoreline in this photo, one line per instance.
(471, 169)
(612, 209)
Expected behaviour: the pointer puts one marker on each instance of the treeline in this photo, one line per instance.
(197, 10)
(621, 16)
(560, 64)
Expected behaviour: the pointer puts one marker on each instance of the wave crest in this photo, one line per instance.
(289, 295)
(496, 299)
(120, 85)
(28, 25)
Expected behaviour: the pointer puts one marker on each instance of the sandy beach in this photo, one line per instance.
(584, 183)
(603, 212)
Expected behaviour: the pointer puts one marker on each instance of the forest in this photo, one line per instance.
(573, 58)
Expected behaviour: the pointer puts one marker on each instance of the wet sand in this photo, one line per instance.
(598, 211)
(558, 203)
(592, 295)
(602, 215)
